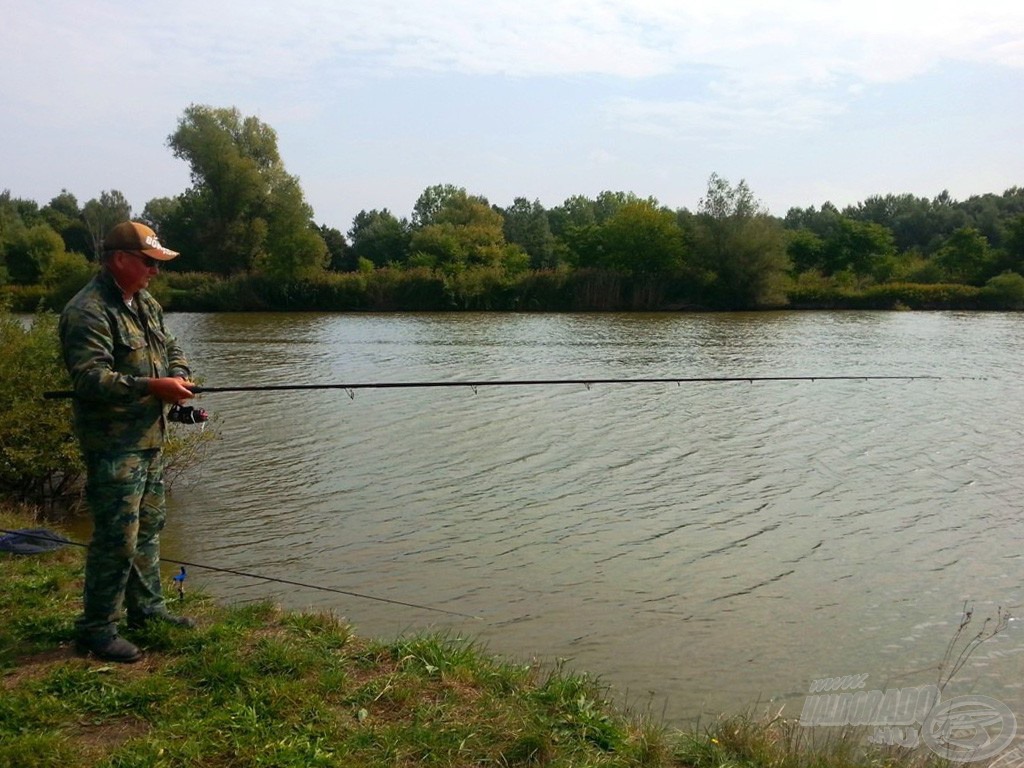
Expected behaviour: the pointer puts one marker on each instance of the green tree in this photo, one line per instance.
(294, 247)
(1012, 257)
(16, 210)
(66, 273)
(102, 214)
(379, 237)
(432, 201)
(739, 247)
(64, 216)
(805, 249)
(526, 225)
(576, 212)
(642, 238)
(29, 252)
(457, 230)
(159, 212)
(243, 211)
(339, 257)
(856, 246)
(965, 257)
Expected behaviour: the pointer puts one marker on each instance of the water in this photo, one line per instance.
(702, 548)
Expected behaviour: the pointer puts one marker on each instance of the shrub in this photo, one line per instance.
(64, 277)
(39, 459)
(1005, 291)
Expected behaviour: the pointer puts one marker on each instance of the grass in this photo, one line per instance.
(257, 686)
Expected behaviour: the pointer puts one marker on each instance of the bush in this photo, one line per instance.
(806, 295)
(64, 277)
(1005, 291)
(39, 461)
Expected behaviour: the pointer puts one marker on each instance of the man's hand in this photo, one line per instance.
(170, 389)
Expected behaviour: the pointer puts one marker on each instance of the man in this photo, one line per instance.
(126, 368)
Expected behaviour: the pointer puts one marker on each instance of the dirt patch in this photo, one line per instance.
(36, 665)
(104, 737)
(40, 664)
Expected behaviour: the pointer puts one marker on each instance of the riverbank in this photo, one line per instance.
(255, 685)
(490, 289)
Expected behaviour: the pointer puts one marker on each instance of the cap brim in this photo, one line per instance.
(160, 254)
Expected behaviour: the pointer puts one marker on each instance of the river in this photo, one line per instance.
(701, 548)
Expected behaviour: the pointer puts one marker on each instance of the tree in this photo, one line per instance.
(739, 247)
(63, 215)
(457, 230)
(577, 211)
(29, 252)
(379, 237)
(158, 212)
(294, 247)
(1013, 247)
(642, 238)
(432, 201)
(965, 257)
(805, 250)
(243, 211)
(526, 225)
(66, 273)
(856, 246)
(339, 257)
(103, 214)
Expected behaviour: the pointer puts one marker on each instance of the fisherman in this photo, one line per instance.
(126, 370)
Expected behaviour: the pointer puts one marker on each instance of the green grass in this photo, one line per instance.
(256, 686)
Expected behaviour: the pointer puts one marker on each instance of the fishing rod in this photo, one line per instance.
(289, 582)
(476, 383)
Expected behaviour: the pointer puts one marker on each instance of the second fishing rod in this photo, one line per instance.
(571, 381)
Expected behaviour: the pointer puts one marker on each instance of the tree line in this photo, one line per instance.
(245, 220)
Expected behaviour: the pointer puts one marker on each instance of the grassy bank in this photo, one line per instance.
(257, 686)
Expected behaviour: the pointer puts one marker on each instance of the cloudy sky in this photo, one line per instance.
(374, 100)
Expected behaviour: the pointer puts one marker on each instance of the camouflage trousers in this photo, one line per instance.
(125, 492)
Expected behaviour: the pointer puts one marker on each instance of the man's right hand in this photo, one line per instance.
(170, 389)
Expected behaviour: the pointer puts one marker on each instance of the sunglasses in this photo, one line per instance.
(149, 261)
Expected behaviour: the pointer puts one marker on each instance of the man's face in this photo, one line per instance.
(133, 270)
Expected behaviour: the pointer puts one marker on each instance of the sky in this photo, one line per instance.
(372, 101)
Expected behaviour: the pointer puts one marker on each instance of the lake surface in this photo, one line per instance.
(702, 548)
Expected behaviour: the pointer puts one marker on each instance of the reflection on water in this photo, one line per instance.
(704, 546)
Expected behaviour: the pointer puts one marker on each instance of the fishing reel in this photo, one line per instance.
(186, 414)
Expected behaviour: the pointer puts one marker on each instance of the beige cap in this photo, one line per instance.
(132, 236)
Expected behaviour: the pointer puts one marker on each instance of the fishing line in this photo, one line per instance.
(264, 578)
(474, 384)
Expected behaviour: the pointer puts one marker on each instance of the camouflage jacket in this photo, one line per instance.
(110, 350)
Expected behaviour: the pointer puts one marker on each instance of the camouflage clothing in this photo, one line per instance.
(111, 349)
(126, 497)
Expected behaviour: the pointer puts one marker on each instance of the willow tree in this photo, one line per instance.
(244, 211)
(740, 248)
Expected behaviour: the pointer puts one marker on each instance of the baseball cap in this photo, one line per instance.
(132, 236)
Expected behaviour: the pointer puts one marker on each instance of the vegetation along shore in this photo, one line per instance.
(249, 241)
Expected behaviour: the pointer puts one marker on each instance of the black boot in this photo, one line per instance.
(112, 648)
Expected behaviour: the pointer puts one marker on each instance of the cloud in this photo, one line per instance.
(810, 54)
(726, 73)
